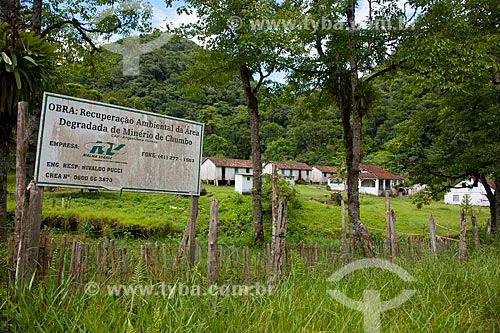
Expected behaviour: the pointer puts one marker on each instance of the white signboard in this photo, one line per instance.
(90, 144)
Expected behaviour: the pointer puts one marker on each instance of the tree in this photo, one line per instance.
(454, 141)
(343, 50)
(456, 54)
(74, 26)
(223, 28)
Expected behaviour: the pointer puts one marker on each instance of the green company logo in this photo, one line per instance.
(105, 148)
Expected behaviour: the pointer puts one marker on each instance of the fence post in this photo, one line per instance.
(279, 239)
(388, 237)
(462, 249)
(488, 226)
(62, 253)
(212, 242)
(475, 231)
(188, 238)
(21, 148)
(246, 266)
(344, 247)
(394, 235)
(30, 233)
(432, 234)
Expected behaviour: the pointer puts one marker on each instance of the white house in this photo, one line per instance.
(372, 180)
(475, 192)
(320, 174)
(243, 183)
(297, 170)
(221, 171)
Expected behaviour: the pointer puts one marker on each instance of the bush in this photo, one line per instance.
(284, 190)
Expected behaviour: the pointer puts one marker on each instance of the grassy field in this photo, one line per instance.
(451, 295)
(163, 216)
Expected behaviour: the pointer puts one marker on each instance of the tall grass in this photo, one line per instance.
(451, 295)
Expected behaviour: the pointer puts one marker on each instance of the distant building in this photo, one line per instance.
(243, 183)
(296, 171)
(475, 192)
(321, 173)
(372, 180)
(222, 171)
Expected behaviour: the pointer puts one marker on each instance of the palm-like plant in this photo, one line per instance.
(27, 63)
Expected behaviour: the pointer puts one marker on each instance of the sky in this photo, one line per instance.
(163, 16)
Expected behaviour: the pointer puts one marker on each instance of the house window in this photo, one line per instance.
(236, 170)
(368, 183)
(291, 172)
(307, 173)
(282, 171)
(247, 170)
(456, 198)
(248, 178)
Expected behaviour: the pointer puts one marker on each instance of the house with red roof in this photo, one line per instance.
(321, 173)
(292, 171)
(372, 180)
(219, 171)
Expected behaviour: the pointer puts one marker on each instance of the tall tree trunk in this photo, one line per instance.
(347, 85)
(494, 200)
(4, 154)
(37, 16)
(253, 112)
(494, 221)
(35, 114)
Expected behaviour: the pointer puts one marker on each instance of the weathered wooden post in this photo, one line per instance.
(475, 231)
(280, 221)
(394, 235)
(21, 148)
(488, 226)
(274, 225)
(462, 247)
(279, 238)
(30, 233)
(388, 237)
(274, 212)
(62, 253)
(246, 266)
(212, 242)
(344, 247)
(193, 214)
(432, 234)
(188, 238)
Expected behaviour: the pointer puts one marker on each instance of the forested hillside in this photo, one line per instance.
(292, 128)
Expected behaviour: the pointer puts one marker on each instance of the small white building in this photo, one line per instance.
(375, 180)
(372, 180)
(243, 183)
(222, 171)
(475, 192)
(297, 170)
(321, 174)
(336, 184)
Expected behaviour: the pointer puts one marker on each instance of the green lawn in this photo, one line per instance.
(166, 215)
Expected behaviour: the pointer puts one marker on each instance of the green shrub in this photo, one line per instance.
(284, 190)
